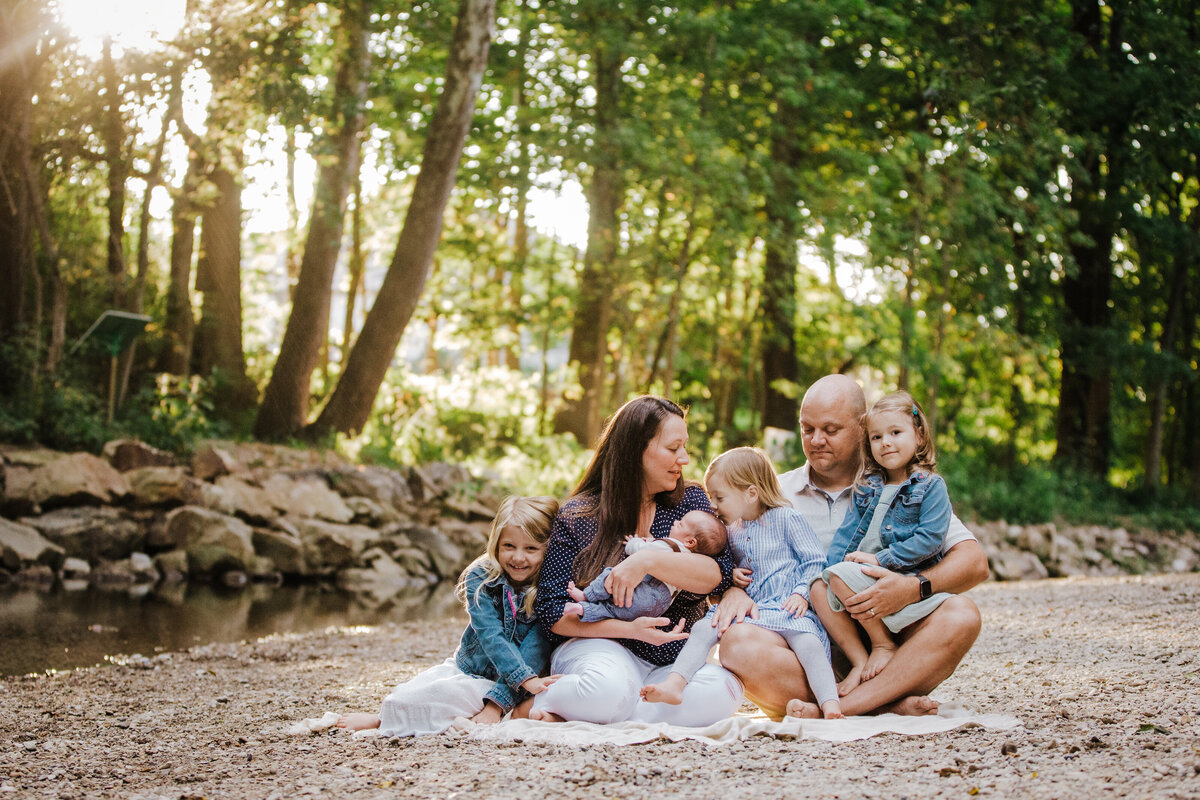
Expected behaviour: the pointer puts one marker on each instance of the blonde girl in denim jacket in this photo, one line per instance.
(502, 652)
(898, 518)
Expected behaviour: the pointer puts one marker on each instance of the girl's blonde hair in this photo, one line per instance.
(533, 515)
(926, 456)
(743, 467)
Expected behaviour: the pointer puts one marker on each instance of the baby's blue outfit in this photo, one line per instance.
(651, 597)
(782, 550)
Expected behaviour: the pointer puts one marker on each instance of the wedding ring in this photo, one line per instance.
(872, 612)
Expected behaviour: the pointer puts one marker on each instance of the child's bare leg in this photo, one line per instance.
(669, 691)
(544, 716)
(573, 610)
(810, 651)
(883, 647)
(842, 628)
(358, 721)
(575, 592)
(522, 709)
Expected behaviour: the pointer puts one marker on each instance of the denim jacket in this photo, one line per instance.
(913, 529)
(501, 643)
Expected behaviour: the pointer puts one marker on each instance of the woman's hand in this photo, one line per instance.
(796, 605)
(735, 606)
(862, 558)
(539, 685)
(646, 629)
(625, 577)
(742, 576)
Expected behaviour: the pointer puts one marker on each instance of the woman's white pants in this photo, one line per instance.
(601, 681)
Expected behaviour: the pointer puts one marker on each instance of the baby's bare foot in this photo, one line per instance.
(832, 709)
(572, 610)
(854, 678)
(879, 658)
(669, 691)
(357, 721)
(802, 709)
(914, 706)
(575, 592)
(545, 716)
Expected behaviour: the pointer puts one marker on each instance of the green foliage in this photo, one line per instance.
(1036, 493)
(488, 420)
(174, 413)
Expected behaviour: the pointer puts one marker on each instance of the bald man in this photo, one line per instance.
(929, 651)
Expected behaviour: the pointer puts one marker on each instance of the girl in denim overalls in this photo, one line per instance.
(898, 519)
(502, 652)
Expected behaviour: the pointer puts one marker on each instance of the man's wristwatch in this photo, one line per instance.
(925, 588)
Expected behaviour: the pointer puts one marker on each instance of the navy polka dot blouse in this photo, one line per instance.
(573, 533)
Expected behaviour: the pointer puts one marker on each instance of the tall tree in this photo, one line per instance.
(350, 405)
(608, 28)
(284, 408)
(22, 25)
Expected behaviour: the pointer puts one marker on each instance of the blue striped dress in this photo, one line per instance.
(782, 550)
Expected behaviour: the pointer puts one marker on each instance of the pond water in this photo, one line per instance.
(60, 628)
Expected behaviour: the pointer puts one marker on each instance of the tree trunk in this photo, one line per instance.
(153, 180)
(580, 416)
(179, 327)
(113, 134)
(19, 23)
(781, 372)
(284, 408)
(218, 276)
(1084, 431)
(356, 265)
(668, 341)
(350, 405)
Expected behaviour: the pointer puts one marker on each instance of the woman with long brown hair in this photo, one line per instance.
(633, 486)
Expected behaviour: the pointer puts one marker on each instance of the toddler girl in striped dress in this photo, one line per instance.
(778, 557)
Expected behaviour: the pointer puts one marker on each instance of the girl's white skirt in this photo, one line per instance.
(431, 701)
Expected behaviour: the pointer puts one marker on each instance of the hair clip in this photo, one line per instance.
(915, 412)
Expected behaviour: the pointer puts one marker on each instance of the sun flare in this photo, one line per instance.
(131, 24)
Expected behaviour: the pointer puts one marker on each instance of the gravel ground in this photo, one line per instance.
(1104, 673)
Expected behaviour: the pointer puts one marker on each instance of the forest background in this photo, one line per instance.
(467, 231)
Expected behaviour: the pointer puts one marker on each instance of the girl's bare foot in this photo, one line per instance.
(544, 716)
(670, 691)
(572, 610)
(854, 678)
(913, 706)
(880, 656)
(802, 709)
(489, 715)
(357, 721)
(832, 709)
(575, 592)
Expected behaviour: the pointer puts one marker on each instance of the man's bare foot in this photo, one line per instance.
(544, 716)
(802, 709)
(357, 721)
(575, 592)
(879, 658)
(832, 709)
(852, 679)
(913, 706)
(670, 691)
(572, 610)
(489, 715)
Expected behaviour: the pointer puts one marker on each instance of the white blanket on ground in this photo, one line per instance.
(742, 726)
